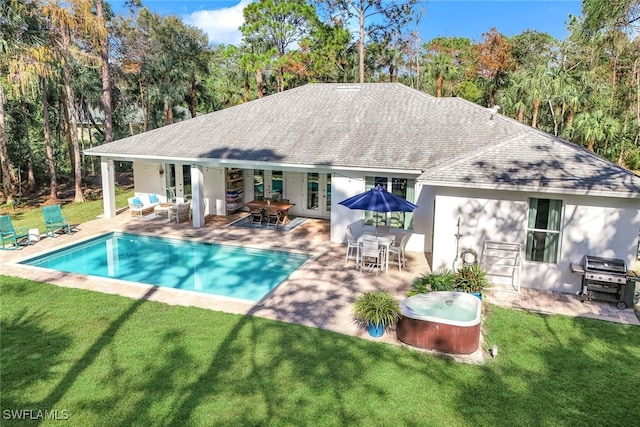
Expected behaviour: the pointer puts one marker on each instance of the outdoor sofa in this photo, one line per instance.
(143, 204)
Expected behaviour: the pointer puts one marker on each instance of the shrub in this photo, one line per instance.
(470, 278)
(376, 308)
(437, 281)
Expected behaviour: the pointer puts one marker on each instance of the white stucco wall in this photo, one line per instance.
(293, 190)
(596, 226)
(343, 186)
(421, 238)
(348, 184)
(147, 179)
(214, 191)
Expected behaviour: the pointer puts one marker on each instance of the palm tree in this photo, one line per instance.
(595, 128)
(511, 99)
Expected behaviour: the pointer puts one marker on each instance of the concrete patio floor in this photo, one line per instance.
(319, 294)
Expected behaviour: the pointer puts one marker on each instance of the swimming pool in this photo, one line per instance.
(224, 270)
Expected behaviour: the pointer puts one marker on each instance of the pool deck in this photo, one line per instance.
(319, 294)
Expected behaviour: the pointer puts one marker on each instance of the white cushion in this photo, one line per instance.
(144, 198)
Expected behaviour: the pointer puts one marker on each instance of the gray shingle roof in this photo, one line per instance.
(376, 126)
(536, 161)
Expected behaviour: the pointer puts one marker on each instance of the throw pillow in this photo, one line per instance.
(153, 198)
(136, 202)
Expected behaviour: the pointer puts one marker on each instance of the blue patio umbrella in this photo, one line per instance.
(378, 199)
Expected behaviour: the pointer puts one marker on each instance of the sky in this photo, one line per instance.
(220, 19)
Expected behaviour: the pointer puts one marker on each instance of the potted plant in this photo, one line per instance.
(441, 280)
(472, 279)
(377, 311)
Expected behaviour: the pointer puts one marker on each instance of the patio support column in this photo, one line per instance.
(108, 187)
(197, 194)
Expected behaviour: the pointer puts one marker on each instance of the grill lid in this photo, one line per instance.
(605, 265)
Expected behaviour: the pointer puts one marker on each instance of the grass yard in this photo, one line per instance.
(76, 213)
(109, 360)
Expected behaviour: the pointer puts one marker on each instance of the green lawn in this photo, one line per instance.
(76, 213)
(109, 360)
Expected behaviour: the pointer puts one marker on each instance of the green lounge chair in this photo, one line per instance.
(10, 235)
(53, 220)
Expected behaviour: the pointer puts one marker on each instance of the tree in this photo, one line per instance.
(102, 40)
(278, 24)
(602, 14)
(327, 51)
(494, 62)
(446, 59)
(64, 25)
(596, 128)
(381, 15)
(20, 29)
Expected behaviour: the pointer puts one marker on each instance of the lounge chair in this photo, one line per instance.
(53, 220)
(9, 235)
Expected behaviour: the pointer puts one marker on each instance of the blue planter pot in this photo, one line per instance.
(376, 331)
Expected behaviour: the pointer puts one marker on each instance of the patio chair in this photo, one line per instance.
(53, 220)
(274, 216)
(396, 252)
(256, 215)
(352, 247)
(180, 211)
(370, 254)
(9, 235)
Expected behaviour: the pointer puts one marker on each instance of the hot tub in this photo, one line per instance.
(443, 321)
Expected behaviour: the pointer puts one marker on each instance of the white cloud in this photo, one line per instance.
(221, 25)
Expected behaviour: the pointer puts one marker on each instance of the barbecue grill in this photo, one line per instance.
(606, 279)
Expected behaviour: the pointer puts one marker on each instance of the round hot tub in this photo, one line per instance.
(443, 321)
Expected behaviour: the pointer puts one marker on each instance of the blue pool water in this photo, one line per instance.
(230, 271)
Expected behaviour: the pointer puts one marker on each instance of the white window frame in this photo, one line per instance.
(558, 232)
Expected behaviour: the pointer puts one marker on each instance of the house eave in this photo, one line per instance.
(533, 189)
(246, 164)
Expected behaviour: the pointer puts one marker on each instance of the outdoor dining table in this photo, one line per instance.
(384, 240)
(283, 207)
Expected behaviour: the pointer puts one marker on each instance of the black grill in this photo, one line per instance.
(603, 279)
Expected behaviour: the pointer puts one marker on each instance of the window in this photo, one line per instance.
(543, 230)
(401, 187)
